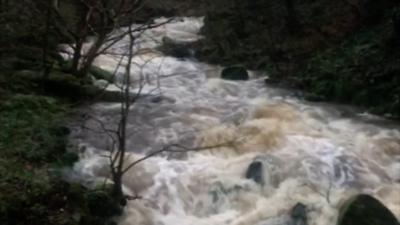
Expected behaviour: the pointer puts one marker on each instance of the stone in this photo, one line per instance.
(162, 99)
(101, 74)
(176, 49)
(299, 214)
(102, 204)
(102, 84)
(255, 172)
(365, 210)
(235, 73)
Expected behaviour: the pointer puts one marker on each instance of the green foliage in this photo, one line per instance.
(99, 73)
(25, 34)
(33, 153)
(242, 31)
(101, 204)
(29, 142)
(32, 119)
(341, 51)
(363, 70)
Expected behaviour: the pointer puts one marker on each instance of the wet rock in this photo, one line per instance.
(365, 210)
(176, 49)
(101, 83)
(161, 99)
(235, 73)
(220, 191)
(255, 172)
(299, 215)
(101, 74)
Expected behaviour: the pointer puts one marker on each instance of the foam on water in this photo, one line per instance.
(311, 154)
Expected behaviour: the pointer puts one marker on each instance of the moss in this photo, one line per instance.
(29, 143)
(32, 119)
(101, 74)
(33, 156)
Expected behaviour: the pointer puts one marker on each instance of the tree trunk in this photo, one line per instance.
(77, 56)
(82, 34)
(125, 107)
(117, 192)
(91, 56)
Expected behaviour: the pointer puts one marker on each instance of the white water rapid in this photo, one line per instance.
(316, 154)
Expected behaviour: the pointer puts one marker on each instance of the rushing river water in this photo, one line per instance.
(318, 155)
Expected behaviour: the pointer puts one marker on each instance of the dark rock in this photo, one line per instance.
(312, 97)
(365, 210)
(255, 172)
(102, 204)
(162, 99)
(220, 190)
(299, 214)
(176, 49)
(235, 73)
(157, 99)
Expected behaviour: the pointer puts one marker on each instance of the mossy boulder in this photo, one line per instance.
(102, 204)
(365, 210)
(235, 73)
(101, 74)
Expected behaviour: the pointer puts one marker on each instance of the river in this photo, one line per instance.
(315, 154)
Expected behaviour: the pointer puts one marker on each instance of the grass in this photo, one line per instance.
(33, 154)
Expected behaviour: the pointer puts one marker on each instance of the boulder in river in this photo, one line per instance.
(299, 215)
(176, 49)
(101, 74)
(365, 210)
(255, 172)
(235, 73)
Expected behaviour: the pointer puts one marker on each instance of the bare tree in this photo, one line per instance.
(97, 19)
(117, 162)
(118, 136)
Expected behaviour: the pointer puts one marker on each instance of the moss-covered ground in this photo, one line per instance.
(33, 156)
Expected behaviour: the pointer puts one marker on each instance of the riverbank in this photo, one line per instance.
(362, 70)
(343, 52)
(271, 127)
(34, 156)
